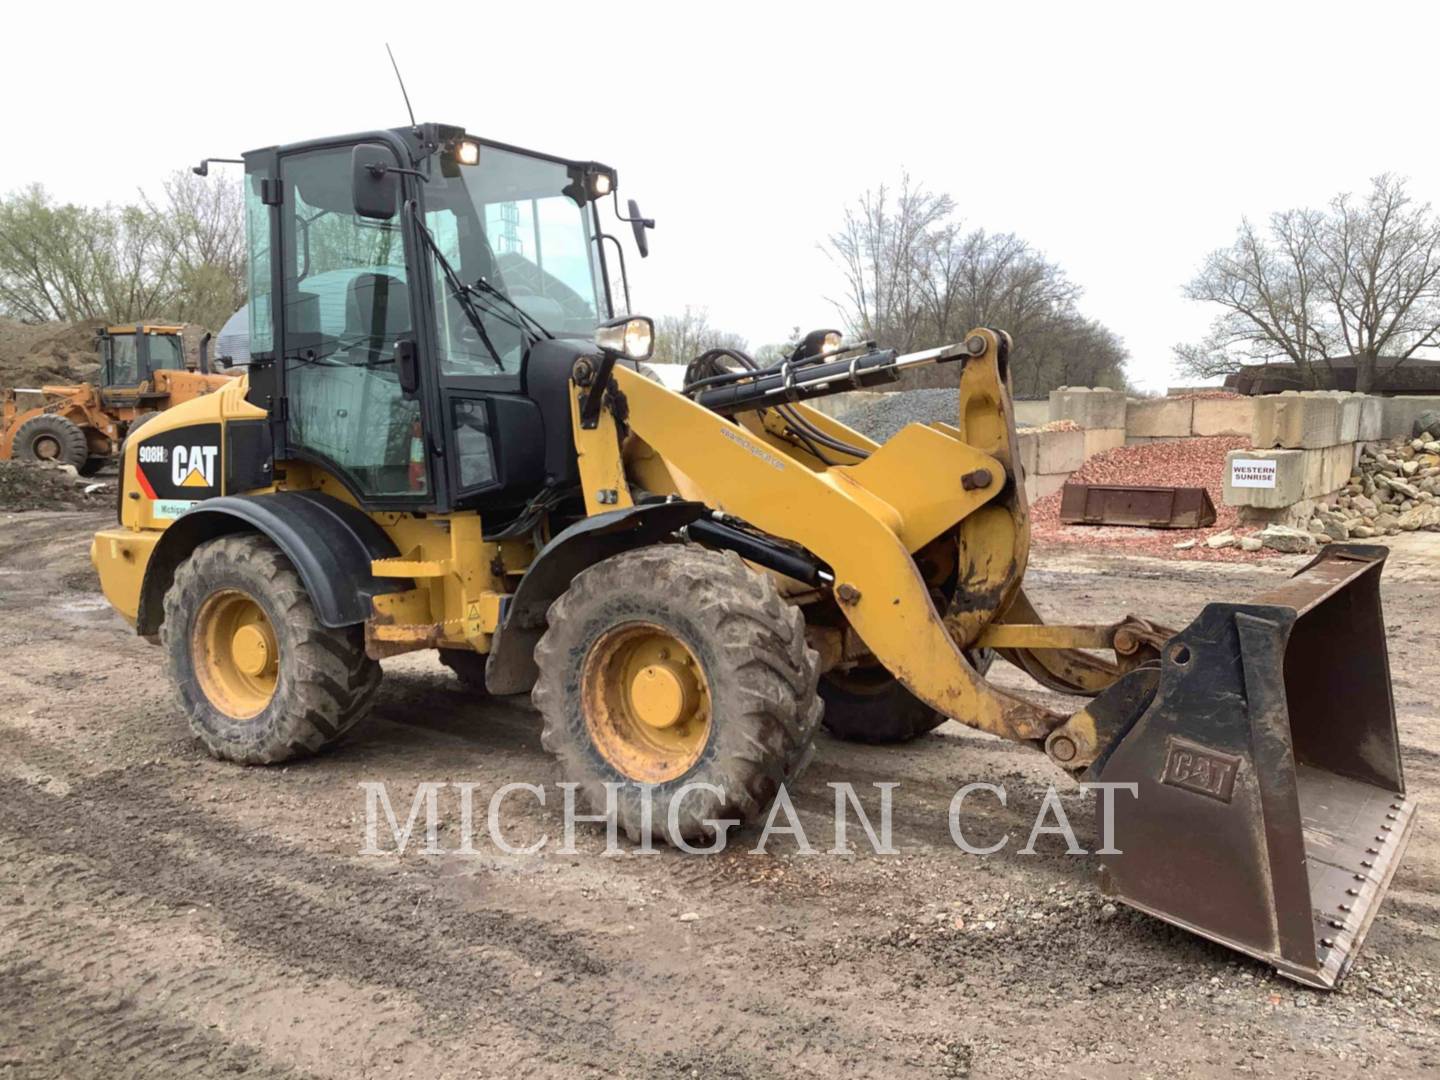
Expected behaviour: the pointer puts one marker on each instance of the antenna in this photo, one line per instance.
(402, 84)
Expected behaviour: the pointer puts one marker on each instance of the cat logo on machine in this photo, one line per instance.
(180, 465)
(193, 466)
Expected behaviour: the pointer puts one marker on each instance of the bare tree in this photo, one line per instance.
(1359, 279)
(885, 253)
(915, 278)
(681, 338)
(202, 222)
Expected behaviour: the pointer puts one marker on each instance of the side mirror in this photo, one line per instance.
(407, 366)
(640, 224)
(374, 184)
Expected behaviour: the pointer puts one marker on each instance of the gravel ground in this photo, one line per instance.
(166, 915)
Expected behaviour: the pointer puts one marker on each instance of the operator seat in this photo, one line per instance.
(377, 314)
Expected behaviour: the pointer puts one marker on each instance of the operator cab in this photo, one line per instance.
(130, 355)
(418, 299)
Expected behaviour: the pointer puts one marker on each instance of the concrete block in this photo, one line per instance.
(1399, 414)
(1327, 469)
(1160, 418)
(1029, 452)
(1098, 408)
(1271, 488)
(1296, 421)
(840, 406)
(1098, 440)
(1031, 413)
(1350, 406)
(1037, 487)
(1223, 416)
(1296, 515)
(1372, 419)
(1060, 451)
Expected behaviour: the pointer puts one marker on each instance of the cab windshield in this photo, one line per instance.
(506, 223)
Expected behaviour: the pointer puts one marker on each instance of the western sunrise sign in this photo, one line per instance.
(1252, 474)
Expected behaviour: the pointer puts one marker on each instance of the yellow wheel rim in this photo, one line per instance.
(237, 658)
(646, 701)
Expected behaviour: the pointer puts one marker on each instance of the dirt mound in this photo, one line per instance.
(32, 356)
(27, 486)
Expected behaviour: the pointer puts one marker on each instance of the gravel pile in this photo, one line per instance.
(888, 413)
(1181, 463)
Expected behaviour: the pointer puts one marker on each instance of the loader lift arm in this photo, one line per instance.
(864, 521)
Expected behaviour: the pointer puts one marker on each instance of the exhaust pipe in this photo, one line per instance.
(1271, 811)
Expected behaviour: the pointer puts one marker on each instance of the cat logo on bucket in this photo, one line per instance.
(193, 466)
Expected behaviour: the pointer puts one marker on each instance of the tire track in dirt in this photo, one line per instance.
(322, 917)
(144, 951)
(64, 1028)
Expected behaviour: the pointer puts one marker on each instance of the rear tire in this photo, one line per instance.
(677, 627)
(53, 439)
(468, 666)
(93, 465)
(139, 422)
(258, 676)
(871, 706)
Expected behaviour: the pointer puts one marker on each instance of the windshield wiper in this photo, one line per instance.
(463, 293)
(500, 294)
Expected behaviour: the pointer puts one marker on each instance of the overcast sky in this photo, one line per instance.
(1124, 141)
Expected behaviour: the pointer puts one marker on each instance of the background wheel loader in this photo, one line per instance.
(142, 372)
(445, 441)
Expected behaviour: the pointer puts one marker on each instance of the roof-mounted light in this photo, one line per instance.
(467, 152)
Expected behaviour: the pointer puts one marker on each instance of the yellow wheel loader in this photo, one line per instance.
(446, 440)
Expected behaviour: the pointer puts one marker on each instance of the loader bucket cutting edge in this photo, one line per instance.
(1271, 812)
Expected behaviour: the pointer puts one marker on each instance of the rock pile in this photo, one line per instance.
(1395, 488)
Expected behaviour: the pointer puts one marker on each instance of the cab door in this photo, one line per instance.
(346, 309)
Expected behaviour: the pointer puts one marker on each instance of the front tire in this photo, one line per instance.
(52, 439)
(674, 665)
(258, 676)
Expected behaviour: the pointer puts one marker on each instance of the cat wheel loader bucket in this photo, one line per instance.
(1270, 812)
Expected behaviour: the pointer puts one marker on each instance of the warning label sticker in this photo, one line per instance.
(1252, 474)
